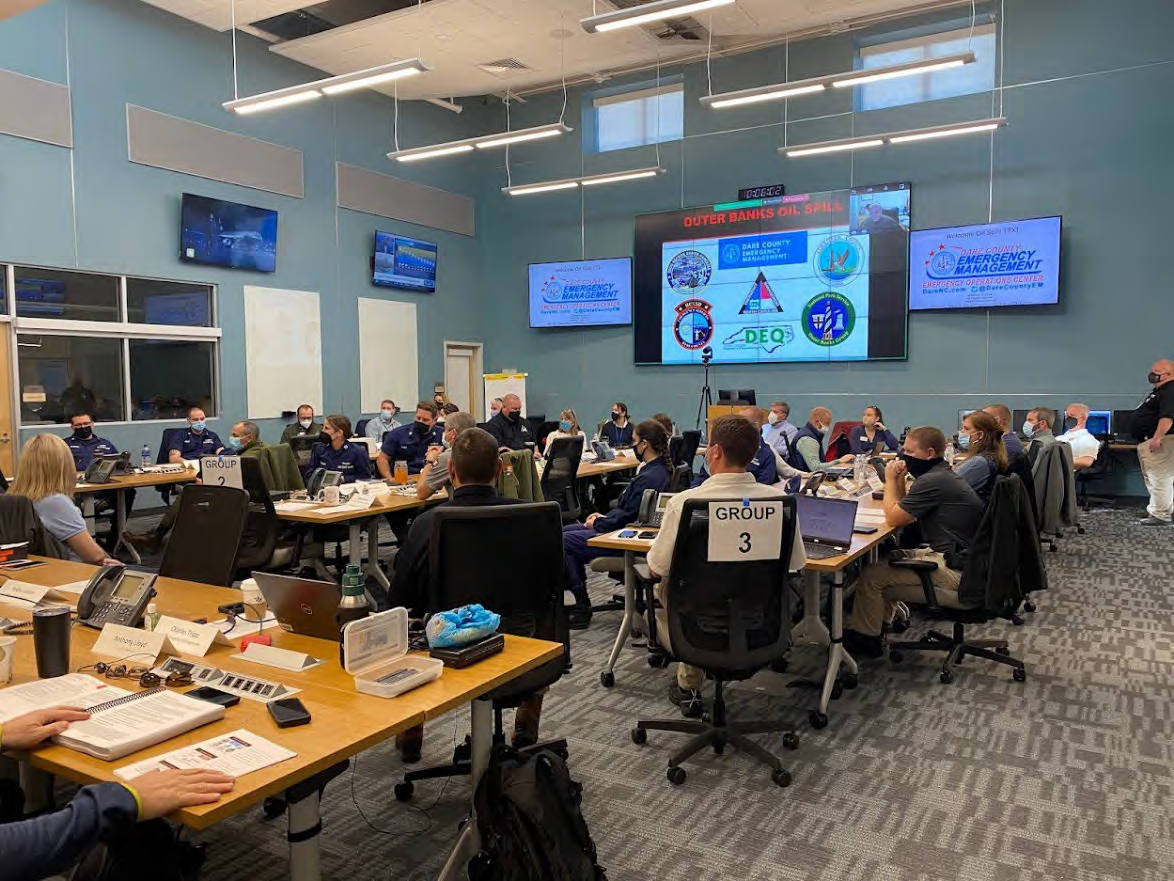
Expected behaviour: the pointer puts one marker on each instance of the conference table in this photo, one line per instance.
(119, 485)
(345, 722)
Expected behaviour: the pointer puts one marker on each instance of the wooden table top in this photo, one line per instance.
(136, 480)
(325, 514)
(622, 462)
(345, 722)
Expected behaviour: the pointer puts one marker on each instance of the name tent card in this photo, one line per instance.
(137, 646)
(751, 529)
(188, 638)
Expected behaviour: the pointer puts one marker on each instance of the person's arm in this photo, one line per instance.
(216, 442)
(628, 507)
(175, 456)
(362, 462)
(493, 426)
(87, 550)
(1164, 426)
(387, 454)
(785, 470)
(892, 444)
(434, 475)
(809, 449)
(895, 491)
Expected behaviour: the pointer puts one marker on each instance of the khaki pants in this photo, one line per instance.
(687, 677)
(881, 585)
(1158, 471)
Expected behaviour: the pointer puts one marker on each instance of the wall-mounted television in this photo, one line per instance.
(581, 293)
(986, 266)
(219, 233)
(400, 262)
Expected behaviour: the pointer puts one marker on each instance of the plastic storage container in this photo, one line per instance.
(376, 647)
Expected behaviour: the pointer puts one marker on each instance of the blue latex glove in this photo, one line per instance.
(461, 626)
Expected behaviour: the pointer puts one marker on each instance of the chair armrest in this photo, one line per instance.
(643, 572)
(924, 570)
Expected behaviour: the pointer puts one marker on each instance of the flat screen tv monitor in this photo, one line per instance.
(987, 266)
(581, 293)
(218, 233)
(774, 280)
(400, 262)
(1100, 422)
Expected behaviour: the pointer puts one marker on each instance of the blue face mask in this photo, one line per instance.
(387, 415)
(1028, 429)
(565, 425)
(234, 441)
(199, 426)
(964, 441)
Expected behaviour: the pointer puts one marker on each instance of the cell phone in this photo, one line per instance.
(288, 712)
(648, 534)
(864, 530)
(214, 696)
(628, 533)
(16, 565)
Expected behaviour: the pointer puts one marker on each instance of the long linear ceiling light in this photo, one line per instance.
(658, 10)
(834, 81)
(481, 142)
(335, 85)
(917, 134)
(591, 180)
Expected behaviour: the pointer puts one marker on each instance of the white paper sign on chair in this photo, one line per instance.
(222, 471)
(750, 529)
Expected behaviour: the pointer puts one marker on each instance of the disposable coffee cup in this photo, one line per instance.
(7, 656)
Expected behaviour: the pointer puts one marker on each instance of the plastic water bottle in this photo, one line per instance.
(145, 456)
(858, 469)
(949, 454)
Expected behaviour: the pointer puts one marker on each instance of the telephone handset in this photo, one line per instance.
(115, 596)
(652, 508)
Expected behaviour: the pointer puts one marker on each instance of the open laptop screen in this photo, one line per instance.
(827, 521)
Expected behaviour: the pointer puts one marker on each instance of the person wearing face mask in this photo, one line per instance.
(1076, 434)
(1011, 441)
(494, 407)
(651, 445)
(384, 422)
(245, 439)
(509, 427)
(335, 452)
(778, 432)
(618, 432)
(807, 448)
(764, 464)
(306, 426)
(864, 438)
(85, 445)
(1038, 427)
(195, 441)
(948, 512)
(981, 439)
(568, 426)
(411, 442)
(435, 477)
(1153, 421)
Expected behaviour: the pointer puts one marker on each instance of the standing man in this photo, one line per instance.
(509, 428)
(384, 422)
(1011, 441)
(1152, 421)
(1084, 446)
(306, 425)
(411, 442)
(779, 433)
(618, 432)
(195, 441)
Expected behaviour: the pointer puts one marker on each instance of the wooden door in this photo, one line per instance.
(7, 426)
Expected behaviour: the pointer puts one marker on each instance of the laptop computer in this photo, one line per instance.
(826, 525)
(301, 605)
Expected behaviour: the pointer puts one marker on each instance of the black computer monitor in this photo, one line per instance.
(744, 396)
(1122, 424)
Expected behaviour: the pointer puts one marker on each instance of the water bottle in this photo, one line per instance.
(949, 455)
(353, 606)
(858, 470)
(145, 456)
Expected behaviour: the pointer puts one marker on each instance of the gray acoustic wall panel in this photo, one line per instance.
(361, 189)
(35, 109)
(177, 144)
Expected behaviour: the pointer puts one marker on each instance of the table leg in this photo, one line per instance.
(303, 802)
(837, 654)
(468, 843)
(629, 610)
(811, 629)
(373, 567)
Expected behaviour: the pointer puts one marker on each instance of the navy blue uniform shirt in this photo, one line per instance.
(404, 443)
(654, 475)
(352, 461)
(616, 436)
(84, 451)
(193, 446)
(762, 466)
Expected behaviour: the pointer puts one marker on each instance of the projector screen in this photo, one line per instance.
(581, 293)
(811, 277)
(1011, 263)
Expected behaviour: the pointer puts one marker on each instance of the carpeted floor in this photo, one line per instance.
(1067, 776)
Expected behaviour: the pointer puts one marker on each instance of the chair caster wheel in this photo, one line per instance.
(837, 690)
(817, 720)
(1016, 620)
(676, 776)
(607, 679)
(790, 740)
(850, 680)
(563, 753)
(946, 677)
(1019, 675)
(781, 777)
(403, 791)
(273, 808)
(900, 625)
(658, 661)
(1003, 650)
(639, 736)
(896, 657)
(462, 754)
(1028, 606)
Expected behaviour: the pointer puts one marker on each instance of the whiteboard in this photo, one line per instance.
(388, 355)
(498, 385)
(283, 351)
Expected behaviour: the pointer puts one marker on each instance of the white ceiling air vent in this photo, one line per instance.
(503, 67)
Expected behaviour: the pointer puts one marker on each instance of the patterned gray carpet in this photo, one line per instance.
(1067, 776)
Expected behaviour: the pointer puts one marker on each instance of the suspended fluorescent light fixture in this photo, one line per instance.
(335, 85)
(836, 80)
(591, 180)
(481, 142)
(917, 134)
(658, 10)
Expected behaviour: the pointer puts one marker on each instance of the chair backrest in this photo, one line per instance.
(286, 475)
(729, 618)
(262, 527)
(204, 542)
(690, 441)
(165, 443)
(675, 449)
(838, 444)
(1102, 464)
(1020, 466)
(543, 432)
(991, 574)
(19, 523)
(559, 480)
(680, 479)
(361, 427)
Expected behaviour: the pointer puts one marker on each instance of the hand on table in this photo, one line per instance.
(162, 792)
(32, 729)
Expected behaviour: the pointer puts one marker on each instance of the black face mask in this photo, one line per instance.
(323, 438)
(1154, 378)
(515, 416)
(918, 467)
(1070, 422)
(84, 433)
(615, 417)
(422, 429)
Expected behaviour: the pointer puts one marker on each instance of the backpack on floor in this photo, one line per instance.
(532, 829)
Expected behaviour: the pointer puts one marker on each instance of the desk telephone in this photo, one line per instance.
(99, 471)
(603, 451)
(321, 478)
(115, 596)
(652, 508)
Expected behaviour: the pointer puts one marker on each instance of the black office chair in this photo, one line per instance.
(690, 441)
(262, 545)
(204, 542)
(168, 440)
(528, 594)
(680, 479)
(19, 523)
(994, 579)
(361, 428)
(560, 482)
(731, 619)
(1101, 467)
(534, 422)
(302, 448)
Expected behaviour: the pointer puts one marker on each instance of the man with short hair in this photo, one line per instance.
(434, 476)
(779, 432)
(763, 465)
(84, 444)
(877, 221)
(245, 439)
(733, 443)
(509, 427)
(1152, 423)
(383, 423)
(1011, 441)
(195, 441)
(807, 447)
(306, 425)
(1038, 427)
(948, 512)
(410, 442)
(1084, 446)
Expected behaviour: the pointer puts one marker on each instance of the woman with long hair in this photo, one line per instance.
(568, 426)
(982, 439)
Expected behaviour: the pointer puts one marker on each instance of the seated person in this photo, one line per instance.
(651, 446)
(948, 512)
(1038, 427)
(384, 422)
(667, 421)
(1011, 442)
(779, 433)
(987, 459)
(473, 468)
(619, 432)
(1085, 447)
(568, 426)
(410, 442)
(877, 221)
(733, 443)
(337, 453)
(494, 407)
(434, 476)
(106, 813)
(764, 465)
(245, 439)
(195, 441)
(509, 427)
(807, 447)
(445, 411)
(48, 479)
(863, 438)
(85, 445)
(304, 427)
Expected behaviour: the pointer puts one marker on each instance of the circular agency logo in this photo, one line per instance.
(828, 319)
(732, 253)
(942, 262)
(689, 272)
(838, 259)
(552, 291)
(693, 327)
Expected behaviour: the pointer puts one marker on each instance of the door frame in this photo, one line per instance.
(477, 405)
